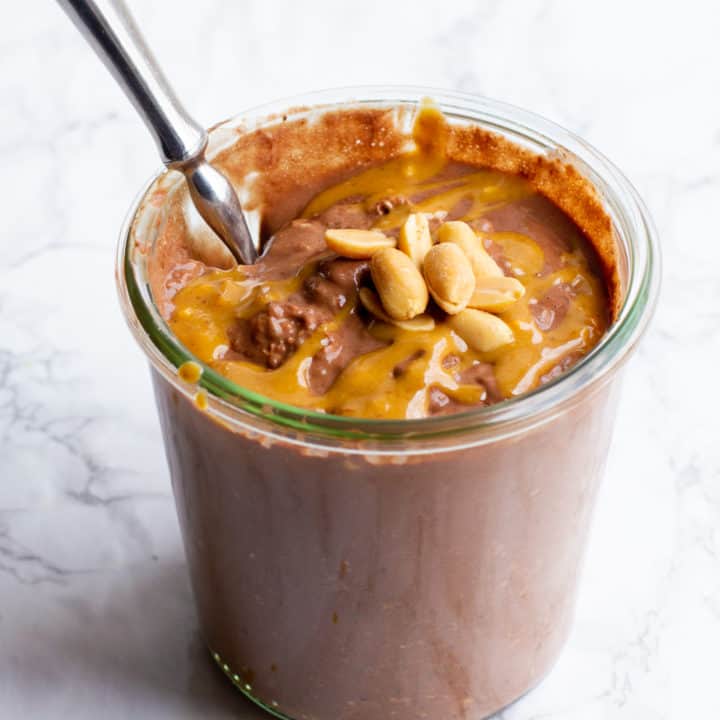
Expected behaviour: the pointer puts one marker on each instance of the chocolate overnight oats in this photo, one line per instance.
(372, 529)
(418, 286)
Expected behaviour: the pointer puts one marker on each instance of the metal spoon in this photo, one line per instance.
(109, 28)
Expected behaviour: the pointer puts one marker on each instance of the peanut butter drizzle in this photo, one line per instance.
(368, 386)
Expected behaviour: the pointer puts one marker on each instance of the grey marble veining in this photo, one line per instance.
(95, 608)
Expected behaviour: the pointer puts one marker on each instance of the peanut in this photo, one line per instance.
(415, 239)
(496, 294)
(462, 235)
(399, 284)
(371, 302)
(449, 277)
(482, 331)
(357, 244)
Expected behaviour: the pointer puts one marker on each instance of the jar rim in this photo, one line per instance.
(232, 404)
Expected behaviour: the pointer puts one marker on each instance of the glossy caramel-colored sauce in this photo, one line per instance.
(370, 385)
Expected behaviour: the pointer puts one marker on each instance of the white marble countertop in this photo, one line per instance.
(96, 613)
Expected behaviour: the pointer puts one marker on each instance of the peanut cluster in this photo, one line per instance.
(455, 270)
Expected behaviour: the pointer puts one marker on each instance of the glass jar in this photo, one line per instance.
(346, 568)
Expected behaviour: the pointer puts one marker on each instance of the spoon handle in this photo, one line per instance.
(109, 28)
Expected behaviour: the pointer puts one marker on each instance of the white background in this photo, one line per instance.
(95, 610)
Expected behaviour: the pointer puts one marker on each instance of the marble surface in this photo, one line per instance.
(95, 608)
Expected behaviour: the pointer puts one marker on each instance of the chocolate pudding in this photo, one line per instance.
(372, 529)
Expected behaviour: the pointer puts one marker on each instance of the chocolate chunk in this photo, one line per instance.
(324, 292)
(291, 248)
(347, 274)
(273, 334)
(550, 310)
(346, 215)
(340, 348)
(482, 374)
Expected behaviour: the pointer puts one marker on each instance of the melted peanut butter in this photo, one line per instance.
(407, 374)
